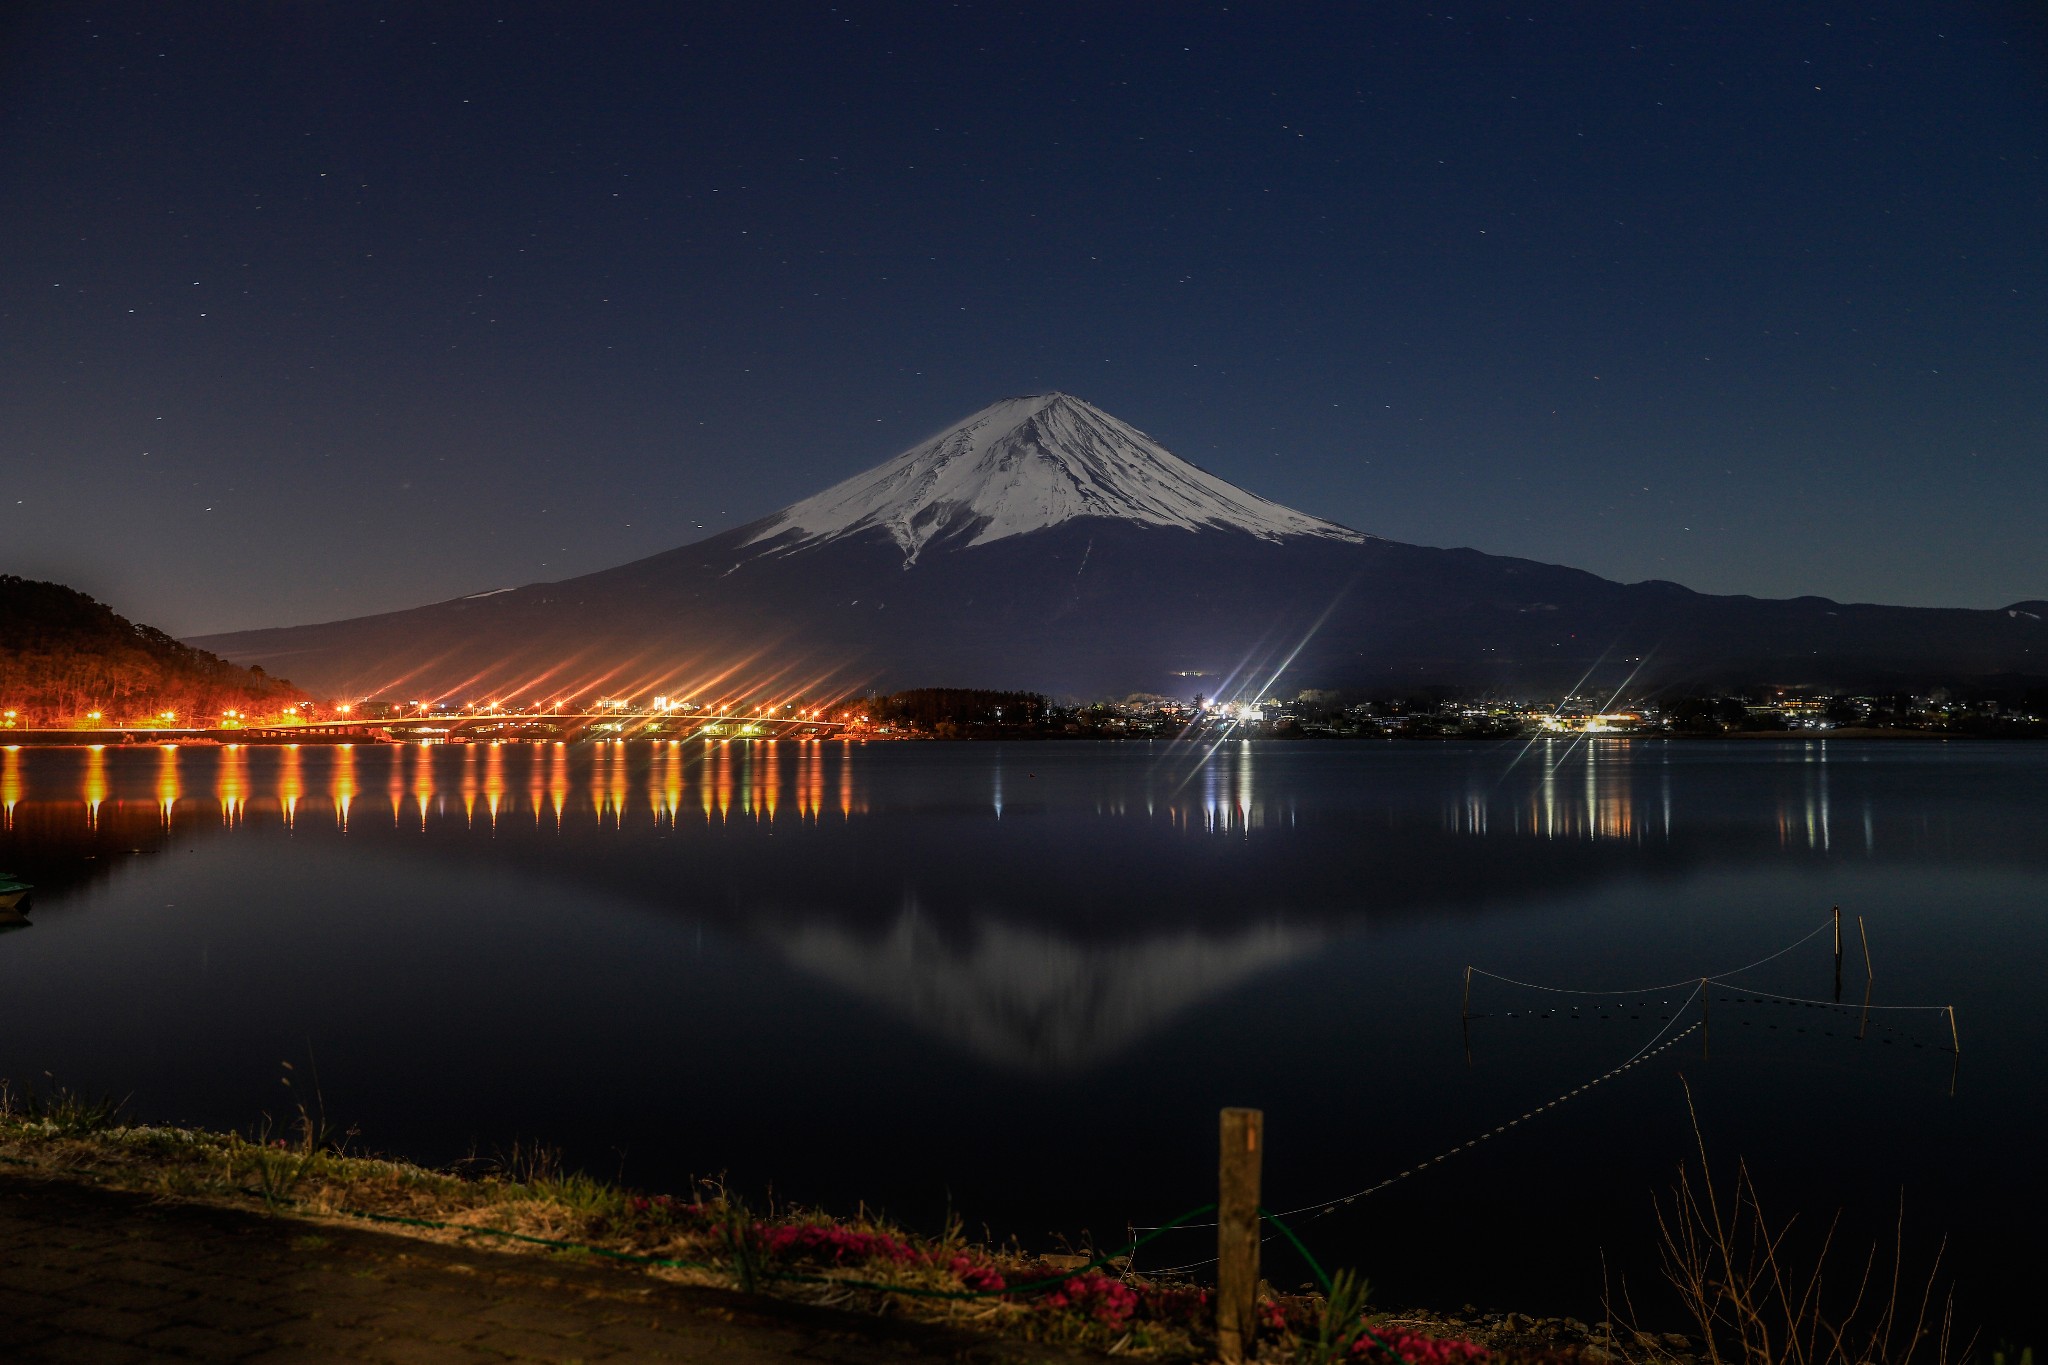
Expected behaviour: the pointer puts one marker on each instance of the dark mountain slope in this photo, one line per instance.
(64, 655)
(1042, 544)
(1097, 608)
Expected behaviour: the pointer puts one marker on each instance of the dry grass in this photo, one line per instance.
(523, 1200)
(1765, 1293)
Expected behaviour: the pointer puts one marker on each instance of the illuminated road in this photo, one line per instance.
(669, 723)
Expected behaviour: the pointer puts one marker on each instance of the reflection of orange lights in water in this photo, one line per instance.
(10, 782)
(422, 780)
(95, 784)
(811, 779)
(494, 779)
(600, 757)
(344, 783)
(396, 753)
(469, 784)
(290, 785)
(665, 781)
(770, 785)
(536, 779)
(1605, 808)
(743, 769)
(615, 783)
(558, 780)
(231, 785)
(167, 786)
(723, 778)
(845, 780)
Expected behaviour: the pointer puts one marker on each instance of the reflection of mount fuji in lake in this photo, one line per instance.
(1030, 999)
(1115, 894)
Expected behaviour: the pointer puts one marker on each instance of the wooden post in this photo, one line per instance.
(1838, 955)
(1465, 1007)
(1242, 1138)
(1868, 973)
(1952, 1031)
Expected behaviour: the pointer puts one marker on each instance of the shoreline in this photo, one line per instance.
(1075, 1298)
(55, 739)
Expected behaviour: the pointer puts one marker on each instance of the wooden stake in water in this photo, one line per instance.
(1240, 1151)
(1465, 1008)
(1838, 955)
(1958, 1042)
(1868, 973)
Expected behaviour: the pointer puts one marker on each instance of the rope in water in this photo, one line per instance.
(1869, 1026)
(1818, 930)
(1833, 1004)
(1658, 1043)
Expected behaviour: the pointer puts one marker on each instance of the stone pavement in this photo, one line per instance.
(90, 1275)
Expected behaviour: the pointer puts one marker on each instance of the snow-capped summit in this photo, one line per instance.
(1024, 464)
(1102, 565)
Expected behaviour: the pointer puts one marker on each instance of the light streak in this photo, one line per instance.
(10, 781)
(95, 784)
(233, 783)
(344, 784)
(290, 786)
(167, 785)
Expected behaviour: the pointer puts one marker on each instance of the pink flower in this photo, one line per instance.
(974, 1275)
(1398, 1344)
(836, 1244)
(1110, 1302)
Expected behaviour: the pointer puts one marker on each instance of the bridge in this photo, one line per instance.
(606, 724)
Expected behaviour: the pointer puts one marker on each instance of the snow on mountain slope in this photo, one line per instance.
(1024, 464)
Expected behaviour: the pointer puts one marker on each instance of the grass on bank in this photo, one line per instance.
(1754, 1301)
(524, 1199)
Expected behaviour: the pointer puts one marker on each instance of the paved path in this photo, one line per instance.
(90, 1275)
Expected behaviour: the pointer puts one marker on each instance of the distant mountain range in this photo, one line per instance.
(1042, 543)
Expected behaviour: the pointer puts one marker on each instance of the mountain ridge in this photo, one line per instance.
(1041, 543)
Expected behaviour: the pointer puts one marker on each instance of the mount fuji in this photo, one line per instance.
(1042, 543)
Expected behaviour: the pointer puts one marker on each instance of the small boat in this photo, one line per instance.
(12, 891)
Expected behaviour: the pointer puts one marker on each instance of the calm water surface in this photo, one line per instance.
(1018, 981)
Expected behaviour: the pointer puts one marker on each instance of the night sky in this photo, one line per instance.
(308, 311)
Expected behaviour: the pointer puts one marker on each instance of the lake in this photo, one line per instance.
(1015, 982)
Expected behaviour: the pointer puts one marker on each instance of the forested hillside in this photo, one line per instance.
(64, 656)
